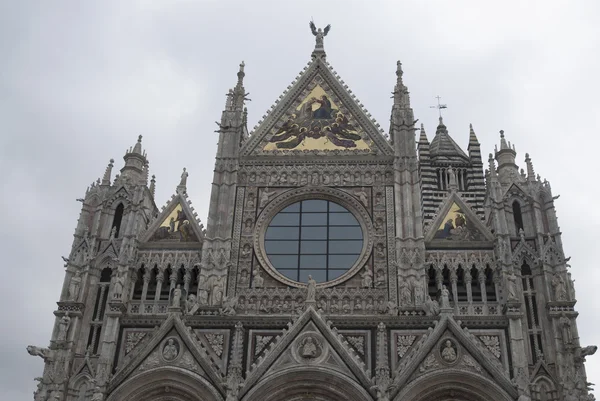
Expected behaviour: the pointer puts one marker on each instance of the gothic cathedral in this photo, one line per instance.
(338, 262)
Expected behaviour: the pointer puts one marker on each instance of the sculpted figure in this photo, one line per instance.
(560, 290)
(216, 294)
(511, 287)
(431, 307)
(184, 177)
(63, 327)
(176, 302)
(448, 353)
(419, 294)
(170, 351)
(565, 324)
(191, 305)
(311, 289)
(405, 294)
(445, 298)
(44, 353)
(119, 285)
(229, 305)
(257, 280)
(98, 395)
(74, 286)
(309, 348)
(367, 278)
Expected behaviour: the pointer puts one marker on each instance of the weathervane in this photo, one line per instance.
(319, 35)
(439, 106)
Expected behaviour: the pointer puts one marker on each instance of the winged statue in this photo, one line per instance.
(319, 34)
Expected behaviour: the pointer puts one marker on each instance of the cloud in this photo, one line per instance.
(80, 81)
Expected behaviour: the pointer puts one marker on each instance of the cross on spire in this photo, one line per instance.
(439, 106)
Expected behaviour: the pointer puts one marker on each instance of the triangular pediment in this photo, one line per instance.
(309, 341)
(448, 346)
(176, 224)
(173, 344)
(457, 225)
(317, 115)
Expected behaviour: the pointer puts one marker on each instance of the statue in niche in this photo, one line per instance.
(244, 277)
(311, 289)
(367, 278)
(346, 179)
(191, 305)
(304, 179)
(322, 305)
(326, 179)
(368, 178)
(202, 296)
(176, 301)
(378, 225)
(511, 287)
(445, 298)
(565, 325)
(346, 306)
(283, 179)
(263, 307)
(380, 251)
(246, 251)
(560, 290)
(63, 327)
(449, 352)
(380, 279)
(315, 179)
(216, 293)
(119, 285)
(357, 304)
(263, 178)
(273, 179)
(170, 351)
(369, 306)
(309, 348)
(250, 201)
(405, 294)
(257, 280)
(419, 293)
(336, 178)
(74, 286)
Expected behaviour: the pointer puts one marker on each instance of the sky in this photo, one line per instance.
(79, 81)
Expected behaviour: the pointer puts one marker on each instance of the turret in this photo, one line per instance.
(135, 163)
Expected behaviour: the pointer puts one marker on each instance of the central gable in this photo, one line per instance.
(317, 115)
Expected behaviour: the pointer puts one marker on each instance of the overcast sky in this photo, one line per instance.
(80, 80)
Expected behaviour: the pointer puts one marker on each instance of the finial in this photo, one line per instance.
(108, 172)
(319, 36)
(153, 185)
(399, 71)
(139, 139)
(530, 171)
(501, 133)
(439, 106)
(241, 74)
(422, 128)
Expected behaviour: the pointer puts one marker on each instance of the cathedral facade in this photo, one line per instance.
(338, 262)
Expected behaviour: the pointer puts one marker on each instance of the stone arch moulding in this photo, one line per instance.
(298, 382)
(454, 383)
(305, 193)
(151, 386)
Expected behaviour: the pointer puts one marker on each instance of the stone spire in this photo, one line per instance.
(530, 172)
(506, 158)
(108, 173)
(401, 96)
(474, 147)
(319, 34)
(135, 160)
(153, 185)
(444, 146)
(182, 187)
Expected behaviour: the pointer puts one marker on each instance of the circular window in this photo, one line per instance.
(313, 237)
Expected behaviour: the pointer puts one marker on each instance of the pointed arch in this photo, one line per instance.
(438, 385)
(178, 383)
(118, 219)
(517, 217)
(320, 382)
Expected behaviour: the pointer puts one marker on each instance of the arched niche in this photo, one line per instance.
(166, 383)
(451, 385)
(301, 383)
